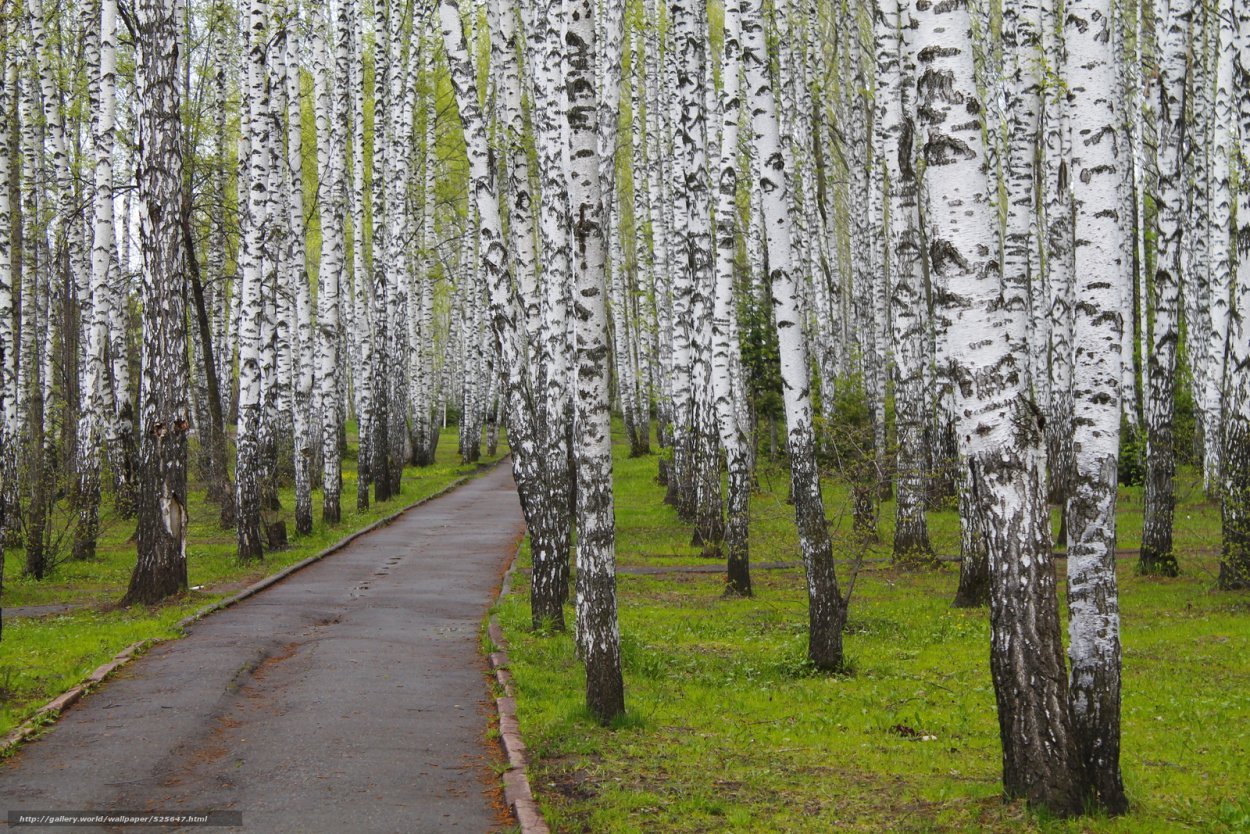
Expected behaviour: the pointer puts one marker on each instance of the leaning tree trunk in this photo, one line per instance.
(1157, 556)
(1103, 280)
(826, 607)
(161, 570)
(1000, 434)
(494, 257)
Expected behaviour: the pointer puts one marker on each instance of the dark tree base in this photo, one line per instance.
(152, 587)
(275, 533)
(1235, 561)
(974, 584)
(1152, 563)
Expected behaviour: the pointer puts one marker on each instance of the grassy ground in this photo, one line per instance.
(40, 657)
(728, 728)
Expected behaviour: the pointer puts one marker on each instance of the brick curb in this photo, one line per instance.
(516, 783)
(51, 711)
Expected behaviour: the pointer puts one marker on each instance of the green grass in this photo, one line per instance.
(728, 729)
(40, 657)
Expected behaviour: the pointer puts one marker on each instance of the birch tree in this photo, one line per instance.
(724, 313)
(9, 424)
(249, 468)
(826, 606)
(550, 524)
(91, 424)
(161, 570)
(331, 118)
(1103, 281)
(911, 528)
(599, 633)
(1235, 514)
(998, 425)
(1157, 556)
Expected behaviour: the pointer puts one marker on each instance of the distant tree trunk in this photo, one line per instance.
(1103, 281)
(1058, 268)
(360, 330)
(1157, 556)
(911, 400)
(522, 435)
(331, 115)
(90, 425)
(10, 429)
(690, 208)
(425, 431)
(1235, 517)
(212, 435)
(826, 607)
(34, 295)
(725, 351)
(296, 280)
(999, 430)
(1221, 239)
(161, 570)
(385, 102)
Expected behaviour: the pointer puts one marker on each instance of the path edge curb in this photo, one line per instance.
(516, 782)
(50, 712)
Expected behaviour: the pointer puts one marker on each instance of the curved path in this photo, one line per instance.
(349, 697)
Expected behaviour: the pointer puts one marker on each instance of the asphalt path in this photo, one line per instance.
(350, 697)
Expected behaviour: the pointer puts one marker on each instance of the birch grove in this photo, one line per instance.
(897, 256)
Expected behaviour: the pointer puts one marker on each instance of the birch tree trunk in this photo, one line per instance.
(998, 424)
(494, 259)
(826, 606)
(298, 287)
(161, 570)
(1157, 556)
(724, 348)
(249, 466)
(911, 527)
(599, 633)
(550, 524)
(1235, 515)
(331, 116)
(95, 402)
(1103, 277)
(10, 427)
(1223, 249)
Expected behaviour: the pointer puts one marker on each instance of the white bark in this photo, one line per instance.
(599, 632)
(249, 468)
(331, 116)
(1000, 434)
(1103, 274)
(1156, 554)
(725, 351)
(826, 608)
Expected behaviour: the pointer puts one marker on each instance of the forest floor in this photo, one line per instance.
(59, 629)
(350, 696)
(729, 729)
